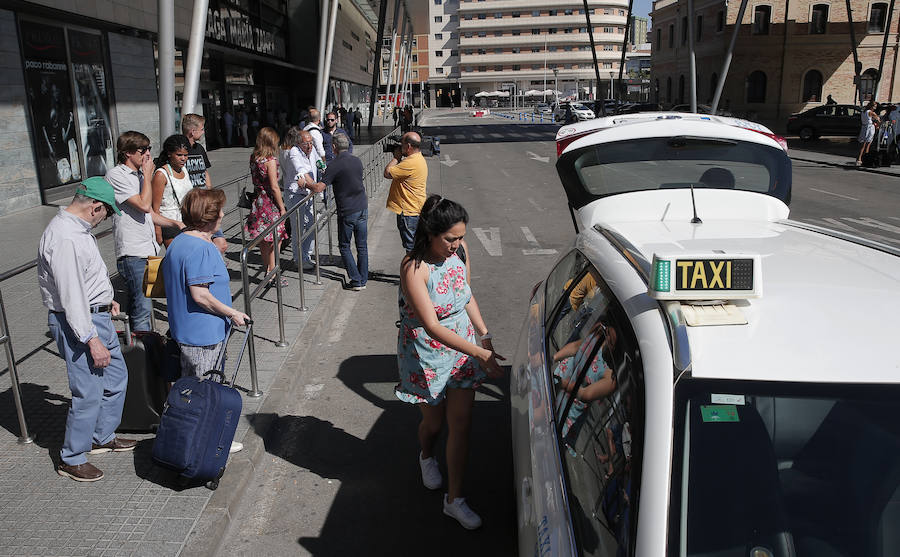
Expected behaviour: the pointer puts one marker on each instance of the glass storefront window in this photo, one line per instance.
(92, 101)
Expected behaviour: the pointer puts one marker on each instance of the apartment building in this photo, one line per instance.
(637, 34)
(518, 45)
(443, 66)
(789, 56)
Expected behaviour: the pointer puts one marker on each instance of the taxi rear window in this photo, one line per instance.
(674, 162)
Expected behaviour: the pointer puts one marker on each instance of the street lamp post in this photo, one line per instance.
(556, 86)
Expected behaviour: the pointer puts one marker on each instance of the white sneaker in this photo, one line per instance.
(431, 473)
(235, 447)
(462, 513)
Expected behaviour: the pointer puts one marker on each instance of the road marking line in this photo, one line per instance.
(847, 228)
(840, 225)
(490, 239)
(866, 221)
(835, 194)
(535, 205)
(505, 173)
(536, 157)
(536, 250)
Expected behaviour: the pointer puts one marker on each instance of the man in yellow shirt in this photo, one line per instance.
(408, 172)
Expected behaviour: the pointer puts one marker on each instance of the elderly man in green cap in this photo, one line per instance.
(76, 289)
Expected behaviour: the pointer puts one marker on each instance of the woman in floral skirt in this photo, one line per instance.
(268, 204)
(440, 361)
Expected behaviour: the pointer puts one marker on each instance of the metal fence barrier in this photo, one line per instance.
(374, 160)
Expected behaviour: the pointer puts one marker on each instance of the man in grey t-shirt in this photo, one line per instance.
(133, 230)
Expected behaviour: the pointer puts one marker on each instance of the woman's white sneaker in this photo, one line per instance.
(235, 447)
(459, 510)
(431, 473)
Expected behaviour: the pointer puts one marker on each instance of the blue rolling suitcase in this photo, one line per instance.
(198, 423)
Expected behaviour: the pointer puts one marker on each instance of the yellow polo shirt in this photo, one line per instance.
(407, 193)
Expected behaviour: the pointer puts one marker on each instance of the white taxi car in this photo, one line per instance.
(700, 375)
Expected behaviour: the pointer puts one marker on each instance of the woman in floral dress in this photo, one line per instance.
(440, 362)
(268, 204)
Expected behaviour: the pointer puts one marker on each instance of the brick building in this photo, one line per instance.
(785, 60)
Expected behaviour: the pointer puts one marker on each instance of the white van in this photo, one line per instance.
(699, 375)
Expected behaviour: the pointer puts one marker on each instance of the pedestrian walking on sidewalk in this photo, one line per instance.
(76, 289)
(267, 203)
(345, 175)
(440, 361)
(867, 130)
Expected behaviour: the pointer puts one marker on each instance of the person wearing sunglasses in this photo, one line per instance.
(76, 289)
(134, 231)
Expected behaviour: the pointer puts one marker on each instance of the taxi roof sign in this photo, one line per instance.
(706, 276)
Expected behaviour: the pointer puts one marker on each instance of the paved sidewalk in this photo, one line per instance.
(838, 152)
(137, 509)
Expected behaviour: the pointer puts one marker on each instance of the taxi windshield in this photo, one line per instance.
(780, 470)
(674, 162)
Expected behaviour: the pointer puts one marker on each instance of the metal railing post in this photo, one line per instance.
(315, 229)
(278, 295)
(248, 309)
(5, 339)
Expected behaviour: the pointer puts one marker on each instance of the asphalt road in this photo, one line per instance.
(340, 475)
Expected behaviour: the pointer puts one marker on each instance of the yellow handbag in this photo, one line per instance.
(154, 287)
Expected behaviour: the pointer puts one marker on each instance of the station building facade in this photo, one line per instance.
(789, 56)
(78, 73)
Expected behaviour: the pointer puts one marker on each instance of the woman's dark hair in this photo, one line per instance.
(437, 216)
(170, 145)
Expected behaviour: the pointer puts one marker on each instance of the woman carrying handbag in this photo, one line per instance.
(170, 184)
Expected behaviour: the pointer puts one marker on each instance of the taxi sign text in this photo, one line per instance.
(713, 274)
(706, 276)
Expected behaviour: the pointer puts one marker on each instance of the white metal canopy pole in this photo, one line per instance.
(390, 79)
(401, 58)
(727, 62)
(323, 41)
(692, 57)
(167, 68)
(195, 55)
(329, 51)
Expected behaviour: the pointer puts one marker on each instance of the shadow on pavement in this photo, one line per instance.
(381, 507)
(45, 415)
(500, 133)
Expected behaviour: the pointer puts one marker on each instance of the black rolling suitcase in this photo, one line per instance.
(146, 392)
(198, 424)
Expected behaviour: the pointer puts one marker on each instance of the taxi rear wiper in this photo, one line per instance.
(681, 141)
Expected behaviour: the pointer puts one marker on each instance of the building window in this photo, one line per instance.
(552, 30)
(551, 12)
(535, 66)
(762, 15)
(516, 32)
(720, 22)
(415, 57)
(668, 89)
(355, 36)
(607, 65)
(498, 51)
(812, 86)
(516, 50)
(567, 30)
(568, 11)
(535, 31)
(876, 17)
(608, 30)
(468, 68)
(498, 68)
(671, 35)
(454, 53)
(482, 34)
(498, 15)
(516, 14)
(482, 68)
(551, 48)
(867, 84)
(607, 47)
(467, 17)
(482, 16)
(818, 19)
(438, 36)
(498, 33)
(438, 2)
(439, 70)
(756, 87)
(439, 53)
(681, 89)
(347, 45)
(516, 67)
(536, 13)
(699, 28)
(438, 19)
(658, 39)
(684, 33)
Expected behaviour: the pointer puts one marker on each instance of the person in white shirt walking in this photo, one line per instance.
(298, 171)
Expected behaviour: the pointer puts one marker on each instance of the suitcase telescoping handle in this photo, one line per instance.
(220, 362)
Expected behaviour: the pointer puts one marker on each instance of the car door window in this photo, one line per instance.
(560, 317)
(599, 415)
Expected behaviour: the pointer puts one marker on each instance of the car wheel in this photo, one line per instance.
(807, 133)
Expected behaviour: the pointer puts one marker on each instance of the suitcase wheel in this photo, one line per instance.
(212, 485)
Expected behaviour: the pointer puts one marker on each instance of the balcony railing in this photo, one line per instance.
(526, 6)
(573, 21)
(529, 40)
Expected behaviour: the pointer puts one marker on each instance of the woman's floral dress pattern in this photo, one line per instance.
(426, 366)
(568, 368)
(264, 211)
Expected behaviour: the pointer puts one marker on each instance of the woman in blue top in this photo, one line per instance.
(439, 361)
(197, 289)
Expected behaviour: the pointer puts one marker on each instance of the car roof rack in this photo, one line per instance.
(677, 326)
(842, 235)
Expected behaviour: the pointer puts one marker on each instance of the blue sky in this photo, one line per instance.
(641, 7)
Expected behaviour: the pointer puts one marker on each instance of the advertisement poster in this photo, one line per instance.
(50, 98)
(92, 101)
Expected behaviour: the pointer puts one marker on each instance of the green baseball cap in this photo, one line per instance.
(99, 189)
